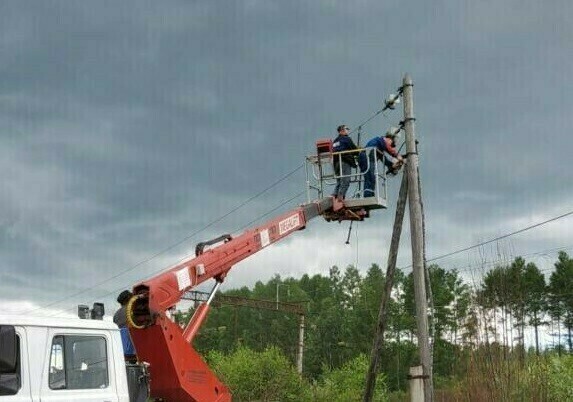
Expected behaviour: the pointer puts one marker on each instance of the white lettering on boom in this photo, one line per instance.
(289, 224)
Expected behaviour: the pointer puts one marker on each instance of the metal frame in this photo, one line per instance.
(320, 174)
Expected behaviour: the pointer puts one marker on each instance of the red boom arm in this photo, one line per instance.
(178, 372)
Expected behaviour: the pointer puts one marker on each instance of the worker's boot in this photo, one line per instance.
(337, 204)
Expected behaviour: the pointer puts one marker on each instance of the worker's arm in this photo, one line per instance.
(392, 150)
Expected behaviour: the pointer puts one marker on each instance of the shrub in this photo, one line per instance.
(560, 378)
(347, 383)
(260, 376)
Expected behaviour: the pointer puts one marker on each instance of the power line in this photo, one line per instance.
(388, 105)
(269, 212)
(153, 274)
(248, 225)
(313, 293)
(163, 251)
(492, 263)
(498, 238)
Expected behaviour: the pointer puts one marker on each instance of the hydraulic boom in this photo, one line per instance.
(177, 371)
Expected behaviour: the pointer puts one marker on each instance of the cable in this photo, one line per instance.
(495, 239)
(188, 256)
(315, 314)
(506, 260)
(163, 251)
(311, 294)
(269, 212)
(388, 105)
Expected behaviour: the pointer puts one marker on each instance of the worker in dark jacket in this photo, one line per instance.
(343, 163)
(120, 319)
(367, 160)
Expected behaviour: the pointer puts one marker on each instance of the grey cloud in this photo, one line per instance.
(126, 127)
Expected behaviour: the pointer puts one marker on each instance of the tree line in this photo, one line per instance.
(342, 309)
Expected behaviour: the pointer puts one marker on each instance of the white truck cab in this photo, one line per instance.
(46, 359)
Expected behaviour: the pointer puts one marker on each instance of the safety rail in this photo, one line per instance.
(321, 176)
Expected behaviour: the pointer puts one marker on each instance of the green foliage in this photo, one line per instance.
(451, 300)
(260, 376)
(346, 384)
(268, 376)
(560, 378)
(495, 374)
(560, 285)
(395, 362)
(341, 313)
(517, 290)
(536, 298)
(449, 359)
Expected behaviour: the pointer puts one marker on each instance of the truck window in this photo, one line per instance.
(78, 362)
(10, 376)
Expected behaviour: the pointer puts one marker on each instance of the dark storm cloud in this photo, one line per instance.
(127, 127)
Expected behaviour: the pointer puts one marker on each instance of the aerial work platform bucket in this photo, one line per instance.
(322, 176)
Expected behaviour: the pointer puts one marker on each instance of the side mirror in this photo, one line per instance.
(8, 349)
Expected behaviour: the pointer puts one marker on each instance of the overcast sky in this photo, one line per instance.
(128, 128)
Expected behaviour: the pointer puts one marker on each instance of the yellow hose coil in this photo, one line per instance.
(129, 314)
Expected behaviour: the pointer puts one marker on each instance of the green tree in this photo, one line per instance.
(461, 310)
(327, 339)
(561, 295)
(517, 293)
(451, 299)
(445, 285)
(353, 325)
(408, 300)
(364, 314)
(494, 296)
(401, 320)
(396, 360)
(536, 301)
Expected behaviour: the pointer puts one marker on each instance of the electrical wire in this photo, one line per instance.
(387, 106)
(433, 259)
(115, 291)
(247, 225)
(540, 252)
(449, 254)
(483, 266)
(269, 212)
(168, 248)
(163, 251)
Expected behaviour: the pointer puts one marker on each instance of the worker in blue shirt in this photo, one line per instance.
(343, 163)
(367, 160)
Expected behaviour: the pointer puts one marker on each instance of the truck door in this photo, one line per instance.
(80, 368)
(14, 378)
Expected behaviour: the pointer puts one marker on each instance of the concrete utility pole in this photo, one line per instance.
(416, 230)
(300, 350)
(390, 270)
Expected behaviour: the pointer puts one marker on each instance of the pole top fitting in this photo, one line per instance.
(407, 81)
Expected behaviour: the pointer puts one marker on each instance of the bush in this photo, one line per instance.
(260, 376)
(560, 378)
(347, 383)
